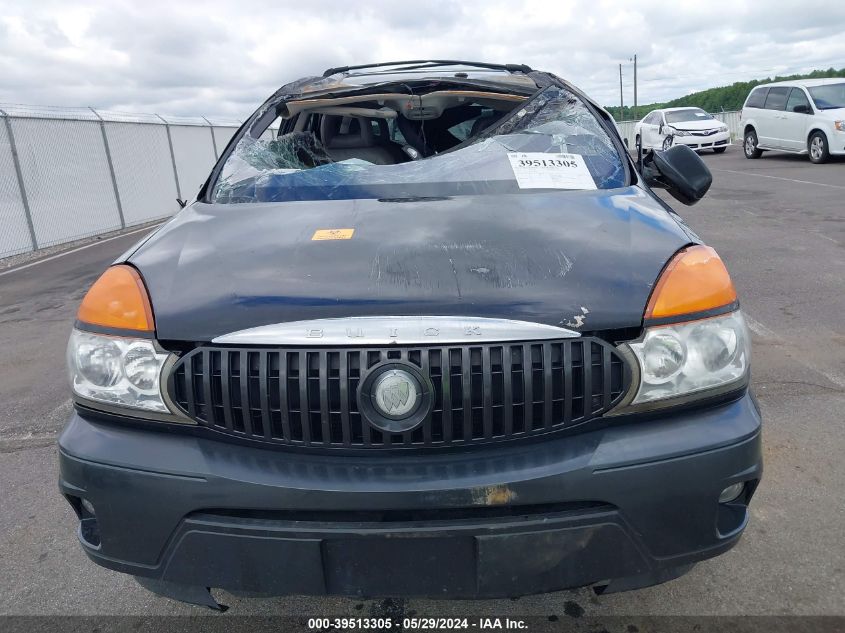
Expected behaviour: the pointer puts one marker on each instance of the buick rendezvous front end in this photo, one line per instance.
(436, 337)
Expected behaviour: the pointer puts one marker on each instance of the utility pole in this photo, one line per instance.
(621, 100)
(635, 87)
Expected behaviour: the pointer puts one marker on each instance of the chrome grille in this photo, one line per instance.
(481, 393)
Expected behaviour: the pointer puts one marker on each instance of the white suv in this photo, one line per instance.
(803, 116)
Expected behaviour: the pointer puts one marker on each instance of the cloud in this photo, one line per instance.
(218, 58)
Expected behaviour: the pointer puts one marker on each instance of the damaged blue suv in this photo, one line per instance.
(434, 336)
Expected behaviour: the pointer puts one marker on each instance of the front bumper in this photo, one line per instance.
(836, 143)
(721, 139)
(622, 507)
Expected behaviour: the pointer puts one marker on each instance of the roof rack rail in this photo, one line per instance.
(429, 63)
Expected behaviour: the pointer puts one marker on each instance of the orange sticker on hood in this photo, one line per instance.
(332, 234)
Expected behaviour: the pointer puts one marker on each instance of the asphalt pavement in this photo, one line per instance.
(778, 222)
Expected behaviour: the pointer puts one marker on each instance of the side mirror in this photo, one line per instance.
(801, 108)
(680, 171)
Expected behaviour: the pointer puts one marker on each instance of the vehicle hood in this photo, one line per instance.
(834, 114)
(585, 260)
(697, 126)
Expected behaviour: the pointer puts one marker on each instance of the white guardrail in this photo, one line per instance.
(731, 119)
(72, 173)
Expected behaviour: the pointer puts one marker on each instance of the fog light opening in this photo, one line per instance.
(88, 507)
(732, 492)
(89, 528)
(89, 532)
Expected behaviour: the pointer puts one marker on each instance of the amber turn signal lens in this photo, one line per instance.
(695, 280)
(118, 299)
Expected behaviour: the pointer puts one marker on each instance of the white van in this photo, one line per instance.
(804, 116)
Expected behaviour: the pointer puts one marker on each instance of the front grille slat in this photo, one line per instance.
(366, 435)
(304, 406)
(426, 371)
(507, 389)
(567, 382)
(284, 397)
(407, 436)
(480, 392)
(487, 392)
(466, 391)
(324, 398)
(343, 373)
(224, 384)
(207, 385)
(446, 386)
(185, 376)
(548, 376)
(606, 380)
(246, 409)
(528, 387)
(588, 377)
(263, 396)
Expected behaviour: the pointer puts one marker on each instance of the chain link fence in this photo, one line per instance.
(71, 173)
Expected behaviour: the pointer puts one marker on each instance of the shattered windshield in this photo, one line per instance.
(447, 143)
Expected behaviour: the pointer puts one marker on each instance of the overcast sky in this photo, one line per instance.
(223, 58)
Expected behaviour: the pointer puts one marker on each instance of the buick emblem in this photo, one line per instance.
(395, 393)
(395, 396)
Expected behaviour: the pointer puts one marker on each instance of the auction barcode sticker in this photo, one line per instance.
(539, 170)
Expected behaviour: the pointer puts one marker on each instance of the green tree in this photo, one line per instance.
(722, 99)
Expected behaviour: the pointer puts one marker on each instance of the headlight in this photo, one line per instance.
(839, 125)
(684, 354)
(115, 370)
(681, 359)
(675, 132)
